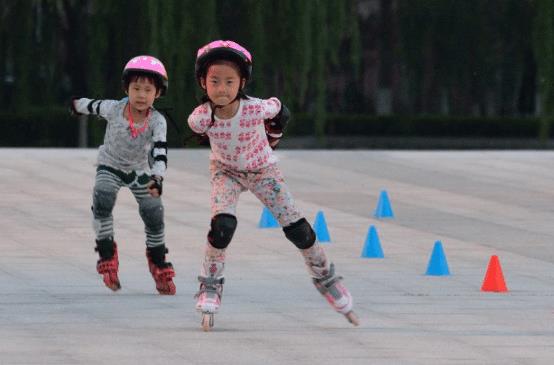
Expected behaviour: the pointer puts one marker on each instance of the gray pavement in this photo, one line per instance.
(54, 308)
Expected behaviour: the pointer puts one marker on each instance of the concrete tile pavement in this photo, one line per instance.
(55, 310)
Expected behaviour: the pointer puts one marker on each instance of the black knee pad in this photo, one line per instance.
(300, 233)
(102, 203)
(152, 213)
(222, 229)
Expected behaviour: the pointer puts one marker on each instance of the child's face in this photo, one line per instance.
(222, 83)
(142, 93)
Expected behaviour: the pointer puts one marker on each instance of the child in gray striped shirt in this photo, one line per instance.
(134, 130)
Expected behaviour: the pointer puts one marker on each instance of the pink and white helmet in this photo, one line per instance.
(147, 64)
(223, 50)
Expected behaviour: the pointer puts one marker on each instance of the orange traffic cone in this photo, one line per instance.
(494, 279)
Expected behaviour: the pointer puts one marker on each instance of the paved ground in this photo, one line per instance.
(55, 310)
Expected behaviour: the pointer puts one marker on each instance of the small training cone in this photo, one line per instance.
(267, 220)
(320, 228)
(494, 279)
(383, 210)
(438, 266)
(372, 247)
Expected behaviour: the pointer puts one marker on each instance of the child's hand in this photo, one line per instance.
(72, 109)
(155, 186)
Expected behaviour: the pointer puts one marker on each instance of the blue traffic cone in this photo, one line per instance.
(437, 262)
(320, 228)
(267, 220)
(383, 210)
(372, 247)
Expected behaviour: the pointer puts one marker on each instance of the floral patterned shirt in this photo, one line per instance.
(120, 150)
(241, 141)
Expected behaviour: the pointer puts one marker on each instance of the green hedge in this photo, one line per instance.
(419, 126)
(54, 127)
(51, 127)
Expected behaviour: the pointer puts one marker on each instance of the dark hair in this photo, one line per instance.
(224, 61)
(135, 75)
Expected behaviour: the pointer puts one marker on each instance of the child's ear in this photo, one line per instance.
(242, 83)
(158, 93)
(203, 82)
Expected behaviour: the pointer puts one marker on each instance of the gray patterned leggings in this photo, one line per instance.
(107, 185)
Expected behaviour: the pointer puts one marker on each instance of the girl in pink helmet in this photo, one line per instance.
(243, 131)
(134, 131)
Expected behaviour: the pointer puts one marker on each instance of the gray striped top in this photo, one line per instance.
(120, 150)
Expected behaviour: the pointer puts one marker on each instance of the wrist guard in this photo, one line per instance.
(275, 127)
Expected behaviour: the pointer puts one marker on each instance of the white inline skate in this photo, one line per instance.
(328, 283)
(209, 294)
(332, 288)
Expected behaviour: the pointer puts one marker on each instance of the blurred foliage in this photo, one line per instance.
(544, 50)
(39, 127)
(54, 127)
(468, 58)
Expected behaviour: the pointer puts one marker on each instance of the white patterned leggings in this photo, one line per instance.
(267, 184)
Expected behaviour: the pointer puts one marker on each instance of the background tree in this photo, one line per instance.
(544, 48)
(321, 57)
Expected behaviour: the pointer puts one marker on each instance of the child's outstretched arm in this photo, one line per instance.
(87, 106)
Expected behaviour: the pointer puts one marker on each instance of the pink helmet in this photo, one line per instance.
(223, 50)
(150, 65)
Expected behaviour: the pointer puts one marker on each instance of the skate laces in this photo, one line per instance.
(210, 285)
(331, 288)
(165, 273)
(328, 282)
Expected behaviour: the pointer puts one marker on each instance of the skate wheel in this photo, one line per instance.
(352, 318)
(207, 321)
